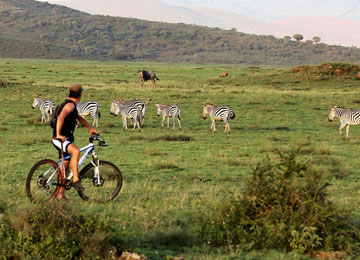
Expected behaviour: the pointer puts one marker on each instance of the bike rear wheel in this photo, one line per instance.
(109, 186)
(38, 186)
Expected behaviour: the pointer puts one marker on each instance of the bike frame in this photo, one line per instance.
(89, 149)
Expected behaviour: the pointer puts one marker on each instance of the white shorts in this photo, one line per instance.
(57, 145)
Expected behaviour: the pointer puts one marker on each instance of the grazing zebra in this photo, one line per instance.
(220, 113)
(347, 117)
(127, 112)
(139, 103)
(169, 111)
(46, 108)
(90, 108)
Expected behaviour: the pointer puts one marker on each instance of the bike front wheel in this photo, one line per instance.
(102, 186)
(42, 183)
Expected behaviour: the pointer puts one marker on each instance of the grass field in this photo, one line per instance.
(167, 184)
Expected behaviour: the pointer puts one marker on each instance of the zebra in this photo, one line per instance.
(347, 117)
(139, 103)
(46, 107)
(127, 112)
(90, 108)
(169, 111)
(218, 113)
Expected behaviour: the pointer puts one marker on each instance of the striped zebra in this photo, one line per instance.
(166, 111)
(90, 108)
(347, 117)
(127, 112)
(46, 108)
(139, 103)
(218, 113)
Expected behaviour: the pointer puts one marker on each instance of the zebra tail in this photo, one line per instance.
(150, 100)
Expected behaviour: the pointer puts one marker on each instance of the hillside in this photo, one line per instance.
(80, 35)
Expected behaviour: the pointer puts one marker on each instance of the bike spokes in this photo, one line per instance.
(102, 186)
(42, 182)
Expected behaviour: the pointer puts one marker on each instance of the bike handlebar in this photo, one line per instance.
(96, 137)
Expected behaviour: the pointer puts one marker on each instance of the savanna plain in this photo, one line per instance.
(172, 177)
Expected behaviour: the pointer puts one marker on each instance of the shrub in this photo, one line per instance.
(284, 207)
(52, 232)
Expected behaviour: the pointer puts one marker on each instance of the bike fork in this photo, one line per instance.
(95, 162)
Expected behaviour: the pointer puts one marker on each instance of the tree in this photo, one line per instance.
(287, 38)
(316, 39)
(298, 37)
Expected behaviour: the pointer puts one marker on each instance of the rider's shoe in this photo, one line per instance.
(77, 185)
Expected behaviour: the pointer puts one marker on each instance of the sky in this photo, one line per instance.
(335, 21)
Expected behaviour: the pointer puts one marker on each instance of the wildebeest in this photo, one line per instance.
(147, 75)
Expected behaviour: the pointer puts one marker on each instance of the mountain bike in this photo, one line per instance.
(101, 180)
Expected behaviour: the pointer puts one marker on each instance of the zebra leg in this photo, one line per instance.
(213, 125)
(168, 122)
(342, 125)
(43, 117)
(347, 130)
(162, 122)
(179, 121)
(124, 123)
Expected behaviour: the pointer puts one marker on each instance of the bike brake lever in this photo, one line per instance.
(103, 143)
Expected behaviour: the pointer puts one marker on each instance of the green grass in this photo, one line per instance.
(171, 177)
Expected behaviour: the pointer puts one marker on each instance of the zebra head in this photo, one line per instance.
(206, 110)
(114, 108)
(333, 113)
(160, 108)
(37, 102)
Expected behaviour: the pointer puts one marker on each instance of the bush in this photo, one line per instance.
(284, 207)
(52, 232)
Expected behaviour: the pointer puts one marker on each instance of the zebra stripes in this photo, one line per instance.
(218, 113)
(46, 108)
(347, 117)
(90, 108)
(127, 112)
(172, 111)
(138, 103)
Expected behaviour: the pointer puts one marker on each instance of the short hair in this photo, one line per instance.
(75, 90)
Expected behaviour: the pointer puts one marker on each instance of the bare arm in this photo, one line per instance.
(84, 123)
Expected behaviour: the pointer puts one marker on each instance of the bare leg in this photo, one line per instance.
(75, 153)
(61, 194)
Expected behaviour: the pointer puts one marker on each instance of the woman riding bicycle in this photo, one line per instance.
(66, 115)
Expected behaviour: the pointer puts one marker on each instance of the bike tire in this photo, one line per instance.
(110, 188)
(36, 189)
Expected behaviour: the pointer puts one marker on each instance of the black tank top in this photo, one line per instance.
(69, 124)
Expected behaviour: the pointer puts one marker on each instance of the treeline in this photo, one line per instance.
(80, 35)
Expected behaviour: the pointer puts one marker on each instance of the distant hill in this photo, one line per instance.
(50, 31)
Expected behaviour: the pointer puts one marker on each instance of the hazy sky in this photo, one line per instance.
(278, 9)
